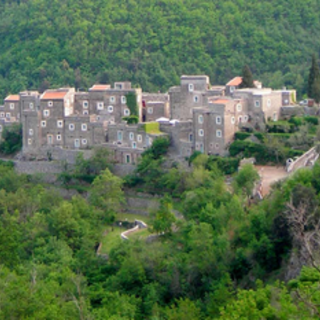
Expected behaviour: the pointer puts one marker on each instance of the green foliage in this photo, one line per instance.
(131, 119)
(152, 43)
(312, 120)
(11, 139)
(132, 103)
(245, 180)
(226, 165)
(244, 135)
(158, 149)
(247, 78)
(314, 78)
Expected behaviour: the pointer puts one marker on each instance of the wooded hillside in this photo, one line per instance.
(153, 42)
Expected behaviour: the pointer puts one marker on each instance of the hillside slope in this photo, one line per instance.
(151, 43)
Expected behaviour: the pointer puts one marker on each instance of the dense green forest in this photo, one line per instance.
(226, 259)
(56, 43)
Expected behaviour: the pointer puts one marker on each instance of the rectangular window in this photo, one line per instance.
(77, 143)
(50, 103)
(100, 105)
(119, 135)
(85, 112)
(31, 105)
(71, 126)
(85, 104)
(131, 135)
(30, 132)
(50, 139)
(84, 141)
(190, 87)
(257, 103)
(60, 124)
(46, 113)
(12, 106)
(84, 127)
(219, 133)
(123, 100)
(139, 138)
(128, 158)
(150, 110)
(43, 124)
(8, 115)
(2, 114)
(126, 112)
(218, 120)
(58, 137)
(29, 141)
(112, 99)
(134, 145)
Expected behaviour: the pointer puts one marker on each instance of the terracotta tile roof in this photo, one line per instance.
(100, 87)
(221, 101)
(54, 95)
(235, 81)
(13, 97)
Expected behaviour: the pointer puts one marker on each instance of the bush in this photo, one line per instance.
(226, 165)
(280, 127)
(12, 139)
(244, 135)
(297, 121)
(159, 148)
(131, 119)
(312, 120)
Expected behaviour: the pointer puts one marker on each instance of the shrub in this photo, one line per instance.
(244, 135)
(132, 103)
(227, 165)
(297, 121)
(12, 139)
(131, 119)
(312, 120)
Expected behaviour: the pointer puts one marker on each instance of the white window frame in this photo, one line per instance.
(110, 109)
(50, 103)
(77, 143)
(239, 107)
(60, 124)
(31, 105)
(219, 133)
(43, 123)
(11, 106)
(257, 103)
(200, 119)
(150, 110)
(30, 132)
(85, 104)
(46, 113)
(84, 141)
(58, 137)
(201, 132)
(112, 99)
(269, 103)
(139, 138)
(100, 105)
(134, 145)
(233, 120)
(275, 116)
(123, 99)
(126, 112)
(8, 115)
(190, 87)
(218, 120)
(232, 88)
(29, 141)
(49, 135)
(84, 127)
(71, 126)
(2, 115)
(131, 136)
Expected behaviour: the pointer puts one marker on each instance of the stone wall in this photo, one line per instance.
(143, 206)
(122, 170)
(307, 159)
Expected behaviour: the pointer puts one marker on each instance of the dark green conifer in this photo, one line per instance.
(313, 75)
(247, 78)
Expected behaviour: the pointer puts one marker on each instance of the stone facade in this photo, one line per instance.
(203, 117)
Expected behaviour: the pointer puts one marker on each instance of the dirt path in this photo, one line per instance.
(270, 175)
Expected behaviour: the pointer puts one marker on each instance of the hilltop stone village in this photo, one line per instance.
(194, 115)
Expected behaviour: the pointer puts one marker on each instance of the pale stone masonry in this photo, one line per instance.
(195, 116)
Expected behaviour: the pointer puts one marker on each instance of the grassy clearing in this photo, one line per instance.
(111, 239)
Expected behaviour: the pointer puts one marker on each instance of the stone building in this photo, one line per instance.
(155, 106)
(193, 92)
(11, 110)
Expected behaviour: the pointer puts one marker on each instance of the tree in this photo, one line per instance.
(12, 139)
(106, 194)
(247, 78)
(314, 74)
(164, 218)
(246, 179)
(316, 89)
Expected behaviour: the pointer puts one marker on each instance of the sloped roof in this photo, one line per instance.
(221, 101)
(54, 95)
(13, 97)
(235, 81)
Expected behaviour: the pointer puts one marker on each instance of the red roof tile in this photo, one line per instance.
(220, 101)
(235, 81)
(54, 95)
(13, 97)
(100, 87)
